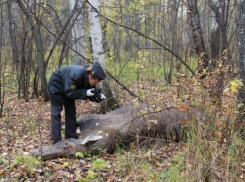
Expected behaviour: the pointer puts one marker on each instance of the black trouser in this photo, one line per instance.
(56, 104)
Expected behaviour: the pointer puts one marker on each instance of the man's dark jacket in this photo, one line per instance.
(69, 83)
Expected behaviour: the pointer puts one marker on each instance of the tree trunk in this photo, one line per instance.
(78, 37)
(98, 52)
(39, 48)
(219, 31)
(127, 43)
(219, 34)
(197, 35)
(241, 39)
(2, 77)
(174, 11)
(65, 49)
(13, 30)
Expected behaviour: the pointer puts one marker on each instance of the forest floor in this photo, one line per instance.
(25, 125)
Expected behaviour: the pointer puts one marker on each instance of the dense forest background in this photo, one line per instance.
(156, 38)
(183, 53)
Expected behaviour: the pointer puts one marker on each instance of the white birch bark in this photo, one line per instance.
(78, 39)
(98, 52)
(96, 33)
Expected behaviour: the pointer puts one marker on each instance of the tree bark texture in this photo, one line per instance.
(39, 48)
(78, 33)
(241, 39)
(13, 28)
(98, 52)
(220, 10)
(197, 34)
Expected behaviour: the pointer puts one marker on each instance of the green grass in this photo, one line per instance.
(27, 162)
(139, 67)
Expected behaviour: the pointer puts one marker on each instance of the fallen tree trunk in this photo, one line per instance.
(102, 132)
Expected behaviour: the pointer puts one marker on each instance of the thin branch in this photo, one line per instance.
(60, 39)
(149, 38)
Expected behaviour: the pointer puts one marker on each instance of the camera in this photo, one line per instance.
(96, 91)
(97, 95)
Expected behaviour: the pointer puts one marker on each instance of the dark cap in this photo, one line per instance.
(98, 71)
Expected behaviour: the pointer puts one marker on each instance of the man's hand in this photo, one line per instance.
(102, 97)
(98, 98)
(96, 91)
(90, 92)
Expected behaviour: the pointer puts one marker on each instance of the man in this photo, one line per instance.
(66, 85)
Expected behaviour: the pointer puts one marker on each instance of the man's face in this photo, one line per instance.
(93, 81)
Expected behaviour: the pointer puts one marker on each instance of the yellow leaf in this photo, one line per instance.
(158, 109)
(235, 85)
(99, 132)
(65, 164)
(153, 121)
(1, 172)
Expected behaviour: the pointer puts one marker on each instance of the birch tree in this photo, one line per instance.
(96, 33)
(78, 37)
(97, 50)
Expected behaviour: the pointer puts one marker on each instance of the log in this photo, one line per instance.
(101, 132)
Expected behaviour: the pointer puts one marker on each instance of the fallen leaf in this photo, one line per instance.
(65, 164)
(218, 123)
(99, 132)
(158, 109)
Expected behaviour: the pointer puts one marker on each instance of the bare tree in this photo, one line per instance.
(65, 48)
(219, 41)
(13, 28)
(39, 47)
(197, 34)
(13, 31)
(174, 4)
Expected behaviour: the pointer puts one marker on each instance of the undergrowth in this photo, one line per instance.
(214, 137)
(211, 149)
